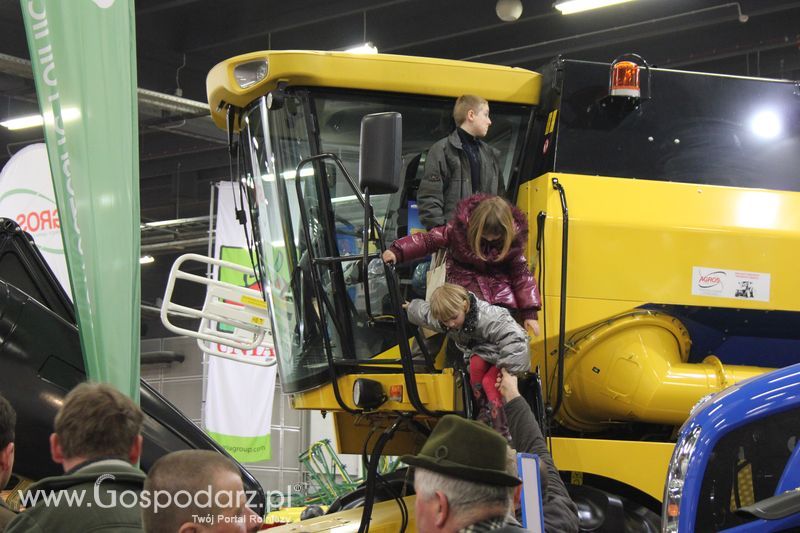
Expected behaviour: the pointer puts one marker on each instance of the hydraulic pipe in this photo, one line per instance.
(634, 369)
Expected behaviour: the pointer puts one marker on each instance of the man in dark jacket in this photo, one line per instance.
(459, 165)
(560, 513)
(8, 421)
(97, 441)
(457, 488)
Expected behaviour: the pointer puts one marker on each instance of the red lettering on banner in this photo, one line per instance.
(259, 351)
(35, 221)
(45, 216)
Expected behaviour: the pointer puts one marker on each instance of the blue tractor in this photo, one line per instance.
(736, 465)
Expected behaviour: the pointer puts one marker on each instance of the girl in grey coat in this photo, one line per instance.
(487, 335)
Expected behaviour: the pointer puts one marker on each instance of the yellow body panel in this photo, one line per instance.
(436, 391)
(286, 515)
(640, 464)
(635, 242)
(379, 72)
(352, 431)
(385, 518)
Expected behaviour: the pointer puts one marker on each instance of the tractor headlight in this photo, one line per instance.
(676, 475)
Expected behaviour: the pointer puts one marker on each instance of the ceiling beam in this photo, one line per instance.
(212, 157)
(769, 22)
(163, 5)
(640, 29)
(283, 20)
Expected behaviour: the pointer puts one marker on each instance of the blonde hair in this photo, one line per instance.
(465, 104)
(492, 215)
(448, 300)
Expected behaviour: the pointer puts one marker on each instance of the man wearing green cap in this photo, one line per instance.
(460, 479)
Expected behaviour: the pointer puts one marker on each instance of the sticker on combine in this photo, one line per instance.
(736, 284)
(255, 302)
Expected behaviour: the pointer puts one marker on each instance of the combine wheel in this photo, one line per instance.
(600, 512)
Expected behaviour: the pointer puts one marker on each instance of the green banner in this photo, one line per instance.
(84, 61)
(245, 449)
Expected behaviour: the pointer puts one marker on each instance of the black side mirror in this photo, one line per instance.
(380, 161)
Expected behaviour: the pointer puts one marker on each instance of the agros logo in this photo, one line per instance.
(40, 213)
(35, 221)
(712, 280)
(37, 214)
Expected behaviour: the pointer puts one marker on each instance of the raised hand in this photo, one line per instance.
(532, 325)
(389, 257)
(507, 385)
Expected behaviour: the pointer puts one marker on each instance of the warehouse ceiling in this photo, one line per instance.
(178, 41)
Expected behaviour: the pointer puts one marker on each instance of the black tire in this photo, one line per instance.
(600, 512)
(355, 498)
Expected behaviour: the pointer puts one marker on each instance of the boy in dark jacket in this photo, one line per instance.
(460, 164)
(487, 335)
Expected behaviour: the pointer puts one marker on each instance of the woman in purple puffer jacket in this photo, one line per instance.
(485, 242)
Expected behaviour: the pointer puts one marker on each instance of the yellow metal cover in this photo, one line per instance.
(373, 72)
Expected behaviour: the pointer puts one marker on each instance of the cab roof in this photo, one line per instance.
(369, 72)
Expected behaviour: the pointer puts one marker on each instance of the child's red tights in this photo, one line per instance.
(484, 373)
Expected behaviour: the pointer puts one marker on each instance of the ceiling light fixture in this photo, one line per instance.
(508, 10)
(576, 6)
(21, 123)
(33, 121)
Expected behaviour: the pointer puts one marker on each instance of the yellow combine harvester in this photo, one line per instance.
(664, 234)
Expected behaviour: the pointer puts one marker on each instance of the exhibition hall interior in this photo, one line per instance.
(320, 238)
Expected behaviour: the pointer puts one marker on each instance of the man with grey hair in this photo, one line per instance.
(461, 480)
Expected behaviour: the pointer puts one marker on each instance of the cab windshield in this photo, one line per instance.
(309, 301)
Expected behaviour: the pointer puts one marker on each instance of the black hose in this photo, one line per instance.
(562, 320)
(397, 498)
(372, 472)
(541, 250)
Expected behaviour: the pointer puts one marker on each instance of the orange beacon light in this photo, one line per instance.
(625, 79)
